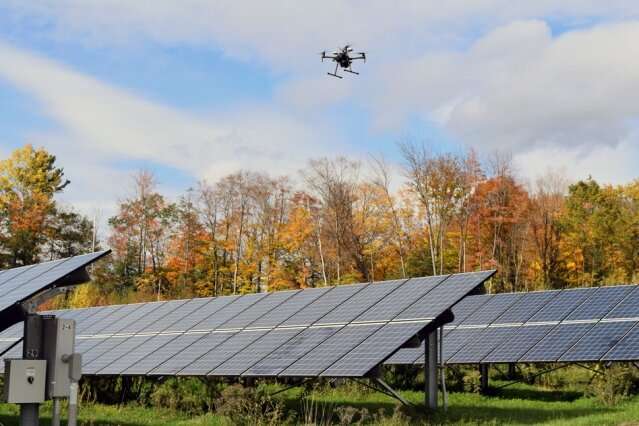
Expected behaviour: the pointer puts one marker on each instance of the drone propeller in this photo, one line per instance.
(363, 55)
(323, 53)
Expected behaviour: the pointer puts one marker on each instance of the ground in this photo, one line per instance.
(518, 405)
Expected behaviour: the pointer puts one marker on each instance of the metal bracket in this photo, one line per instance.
(32, 304)
(391, 391)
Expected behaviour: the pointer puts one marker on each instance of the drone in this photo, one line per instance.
(342, 58)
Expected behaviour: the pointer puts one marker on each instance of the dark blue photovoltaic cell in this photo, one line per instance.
(158, 319)
(558, 341)
(598, 341)
(253, 353)
(263, 306)
(189, 354)
(456, 340)
(332, 299)
(157, 350)
(405, 294)
(528, 305)
(291, 351)
(467, 306)
(627, 349)
(444, 296)
(492, 309)
(290, 307)
(116, 353)
(563, 304)
(380, 345)
(128, 315)
(605, 299)
(628, 307)
(330, 350)
(180, 313)
(222, 352)
(406, 356)
(228, 312)
(518, 344)
(97, 351)
(483, 344)
(211, 308)
(350, 309)
(98, 321)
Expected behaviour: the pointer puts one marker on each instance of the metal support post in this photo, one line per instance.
(430, 370)
(73, 405)
(483, 378)
(55, 412)
(31, 349)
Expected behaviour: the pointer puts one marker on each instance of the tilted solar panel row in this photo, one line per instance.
(573, 325)
(18, 285)
(331, 331)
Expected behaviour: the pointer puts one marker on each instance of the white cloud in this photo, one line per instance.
(101, 126)
(519, 88)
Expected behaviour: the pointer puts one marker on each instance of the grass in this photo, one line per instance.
(517, 405)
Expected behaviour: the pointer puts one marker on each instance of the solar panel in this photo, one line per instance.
(133, 350)
(119, 347)
(210, 308)
(628, 307)
(155, 320)
(405, 294)
(330, 300)
(351, 308)
(600, 303)
(330, 350)
(558, 341)
(513, 348)
(290, 307)
(253, 353)
(456, 339)
(528, 305)
(263, 306)
(380, 345)
(229, 311)
(222, 352)
(492, 309)
(20, 284)
(561, 306)
(467, 306)
(445, 295)
(406, 356)
(597, 341)
(104, 346)
(127, 316)
(189, 354)
(99, 320)
(182, 312)
(291, 351)
(483, 344)
(153, 353)
(627, 349)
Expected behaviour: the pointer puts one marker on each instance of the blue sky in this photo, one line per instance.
(197, 89)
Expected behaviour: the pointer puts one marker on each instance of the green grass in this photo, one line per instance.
(517, 405)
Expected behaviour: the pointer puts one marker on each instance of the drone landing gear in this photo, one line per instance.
(351, 71)
(334, 73)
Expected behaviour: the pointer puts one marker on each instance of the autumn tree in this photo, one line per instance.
(29, 180)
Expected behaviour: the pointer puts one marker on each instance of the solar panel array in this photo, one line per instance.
(573, 325)
(330, 331)
(20, 284)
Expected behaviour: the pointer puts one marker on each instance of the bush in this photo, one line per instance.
(190, 395)
(472, 382)
(613, 384)
(249, 406)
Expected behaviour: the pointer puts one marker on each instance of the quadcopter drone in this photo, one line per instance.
(342, 58)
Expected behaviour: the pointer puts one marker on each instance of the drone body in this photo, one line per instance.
(342, 58)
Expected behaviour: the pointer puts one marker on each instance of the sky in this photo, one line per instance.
(193, 90)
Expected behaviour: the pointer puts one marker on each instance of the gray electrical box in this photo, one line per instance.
(24, 380)
(59, 342)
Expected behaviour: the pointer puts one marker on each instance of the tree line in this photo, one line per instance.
(339, 221)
